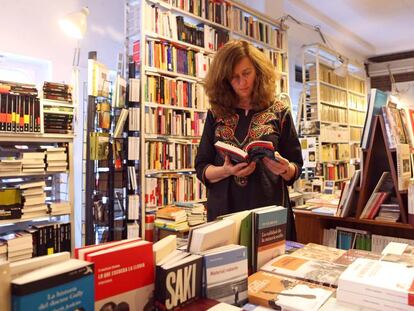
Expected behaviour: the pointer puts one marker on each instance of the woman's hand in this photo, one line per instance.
(280, 167)
(240, 170)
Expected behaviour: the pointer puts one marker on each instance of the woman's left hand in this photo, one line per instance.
(280, 167)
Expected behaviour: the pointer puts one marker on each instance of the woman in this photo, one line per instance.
(240, 85)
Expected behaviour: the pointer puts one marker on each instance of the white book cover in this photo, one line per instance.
(384, 280)
(403, 166)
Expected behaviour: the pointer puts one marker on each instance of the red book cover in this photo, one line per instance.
(374, 210)
(124, 276)
(81, 252)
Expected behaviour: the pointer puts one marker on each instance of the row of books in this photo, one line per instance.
(356, 118)
(335, 171)
(328, 75)
(175, 92)
(356, 84)
(329, 95)
(169, 155)
(166, 121)
(165, 190)
(166, 56)
(355, 133)
(57, 91)
(256, 29)
(37, 240)
(357, 102)
(335, 152)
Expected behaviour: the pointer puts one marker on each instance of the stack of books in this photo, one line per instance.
(59, 207)
(34, 197)
(33, 162)
(377, 284)
(19, 245)
(172, 218)
(10, 166)
(10, 203)
(57, 91)
(3, 251)
(389, 212)
(57, 108)
(56, 159)
(196, 213)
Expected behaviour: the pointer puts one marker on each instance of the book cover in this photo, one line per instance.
(225, 274)
(124, 274)
(269, 234)
(178, 283)
(210, 235)
(316, 271)
(353, 254)
(68, 285)
(382, 280)
(403, 166)
(319, 252)
(377, 99)
(273, 291)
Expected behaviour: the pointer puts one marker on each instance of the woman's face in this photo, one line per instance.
(243, 78)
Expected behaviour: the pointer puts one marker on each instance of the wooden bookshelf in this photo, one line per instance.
(377, 159)
(142, 33)
(310, 226)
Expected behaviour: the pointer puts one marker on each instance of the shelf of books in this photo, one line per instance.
(106, 146)
(36, 171)
(171, 49)
(332, 116)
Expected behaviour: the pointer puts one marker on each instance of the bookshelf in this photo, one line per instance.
(335, 108)
(59, 185)
(105, 160)
(377, 158)
(171, 44)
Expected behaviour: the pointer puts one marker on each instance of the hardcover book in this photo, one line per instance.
(253, 151)
(68, 285)
(124, 275)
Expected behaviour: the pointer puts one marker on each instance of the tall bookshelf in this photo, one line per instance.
(105, 160)
(333, 112)
(172, 44)
(24, 136)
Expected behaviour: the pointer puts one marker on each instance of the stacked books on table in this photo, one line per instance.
(196, 213)
(59, 207)
(172, 218)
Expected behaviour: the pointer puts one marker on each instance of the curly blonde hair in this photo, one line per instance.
(222, 97)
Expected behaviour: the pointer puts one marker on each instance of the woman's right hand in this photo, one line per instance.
(240, 170)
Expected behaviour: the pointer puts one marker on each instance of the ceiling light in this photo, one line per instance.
(74, 24)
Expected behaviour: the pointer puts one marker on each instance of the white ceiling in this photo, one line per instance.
(371, 27)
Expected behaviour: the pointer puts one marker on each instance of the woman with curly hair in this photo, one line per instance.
(241, 88)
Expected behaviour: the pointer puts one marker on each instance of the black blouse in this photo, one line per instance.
(262, 187)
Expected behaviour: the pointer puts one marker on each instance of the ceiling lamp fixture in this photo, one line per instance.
(342, 69)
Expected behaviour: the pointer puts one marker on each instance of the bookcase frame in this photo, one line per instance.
(319, 55)
(142, 35)
(22, 138)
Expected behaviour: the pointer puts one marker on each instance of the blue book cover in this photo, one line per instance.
(65, 286)
(377, 99)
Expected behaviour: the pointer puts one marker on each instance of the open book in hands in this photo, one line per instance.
(254, 151)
